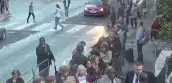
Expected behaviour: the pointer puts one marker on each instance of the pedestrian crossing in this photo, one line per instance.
(48, 27)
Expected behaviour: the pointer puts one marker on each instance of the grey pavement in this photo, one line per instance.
(149, 56)
(18, 49)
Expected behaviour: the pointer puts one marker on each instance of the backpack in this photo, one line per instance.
(145, 39)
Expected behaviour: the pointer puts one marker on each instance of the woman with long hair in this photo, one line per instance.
(82, 76)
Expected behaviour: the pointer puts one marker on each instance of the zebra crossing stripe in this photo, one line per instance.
(96, 30)
(39, 28)
(160, 61)
(73, 29)
(77, 28)
(169, 78)
(10, 25)
(23, 26)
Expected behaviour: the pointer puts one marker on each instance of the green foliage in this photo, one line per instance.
(164, 11)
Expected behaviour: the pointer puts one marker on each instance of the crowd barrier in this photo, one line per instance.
(34, 71)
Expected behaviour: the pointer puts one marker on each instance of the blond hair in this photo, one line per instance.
(70, 79)
(64, 68)
(81, 67)
(50, 79)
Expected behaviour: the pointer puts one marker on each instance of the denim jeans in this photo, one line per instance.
(139, 51)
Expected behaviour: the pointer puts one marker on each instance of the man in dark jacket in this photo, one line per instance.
(121, 11)
(77, 56)
(135, 76)
(128, 14)
(113, 16)
(44, 57)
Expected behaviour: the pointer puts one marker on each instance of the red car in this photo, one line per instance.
(97, 7)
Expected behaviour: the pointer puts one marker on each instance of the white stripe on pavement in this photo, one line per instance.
(160, 61)
(23, 26)
(10, 25)
(41, 27)
(75, 29)
(96, 30)
(169, 78)
(52, 27)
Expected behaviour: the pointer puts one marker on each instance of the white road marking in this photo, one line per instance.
(41, 27)
(23, 26)
(169, 77)
(75, 29)
(160, 61)
(52, 27)
(95, 30)
(10, 25)
(11, 32)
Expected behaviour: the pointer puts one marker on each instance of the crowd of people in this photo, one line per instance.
(106, 59)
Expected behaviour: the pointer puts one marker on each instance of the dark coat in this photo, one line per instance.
(19, 80)
(113, 15)
(42, 54)
(121, 12)
(128, 12)
(66, 4)
(130, 76)
(79, 58)
(116, 46)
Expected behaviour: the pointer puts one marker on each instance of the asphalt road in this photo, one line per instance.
(18, 49)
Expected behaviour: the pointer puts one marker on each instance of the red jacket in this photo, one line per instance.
(155, 26)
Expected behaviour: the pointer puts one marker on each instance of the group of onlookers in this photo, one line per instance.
(88, 74)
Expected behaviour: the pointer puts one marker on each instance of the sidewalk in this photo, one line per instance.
(149, 56)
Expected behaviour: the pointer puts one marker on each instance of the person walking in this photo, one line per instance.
(57, 17)
(134, 15)
(44, 57)
(66, 4)
(31, 12)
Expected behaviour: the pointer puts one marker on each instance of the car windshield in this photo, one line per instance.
(95, 2)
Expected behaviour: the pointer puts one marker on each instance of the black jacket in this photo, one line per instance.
(79, 58)
(19, 80)
(130, 76)
(44, 53)
(116, 46)
(113, 16)
(121, 12)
